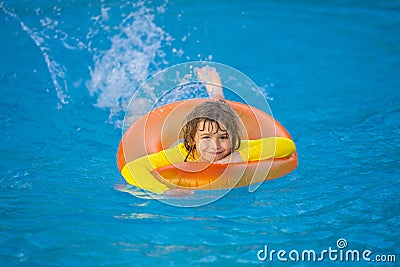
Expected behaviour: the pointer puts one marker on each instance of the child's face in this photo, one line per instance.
(211, 145)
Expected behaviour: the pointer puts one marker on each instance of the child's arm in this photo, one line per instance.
(266, 148)
(212, 81)
(141, 172)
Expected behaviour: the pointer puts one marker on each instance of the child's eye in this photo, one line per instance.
(224, 137)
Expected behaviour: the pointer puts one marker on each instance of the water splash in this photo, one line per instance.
(57, 71)
(136, 50)
(121, 44)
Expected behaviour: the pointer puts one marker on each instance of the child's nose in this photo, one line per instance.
(216, 143)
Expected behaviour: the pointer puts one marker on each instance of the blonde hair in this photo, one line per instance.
(217, 112)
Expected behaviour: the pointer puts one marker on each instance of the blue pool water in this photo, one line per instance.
(68, 69)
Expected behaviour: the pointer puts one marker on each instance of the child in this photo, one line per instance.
(211, 133)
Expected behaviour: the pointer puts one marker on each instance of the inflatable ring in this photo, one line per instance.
(160, 128)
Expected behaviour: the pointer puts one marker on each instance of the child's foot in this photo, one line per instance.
(212, 81)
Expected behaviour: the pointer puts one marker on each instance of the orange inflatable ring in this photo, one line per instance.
(160, 128)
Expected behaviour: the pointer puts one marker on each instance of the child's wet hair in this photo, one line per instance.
(220, 114)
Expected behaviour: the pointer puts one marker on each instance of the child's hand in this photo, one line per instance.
(157, 176)
(235, 157)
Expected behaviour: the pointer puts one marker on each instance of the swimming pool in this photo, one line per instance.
(69, 68)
